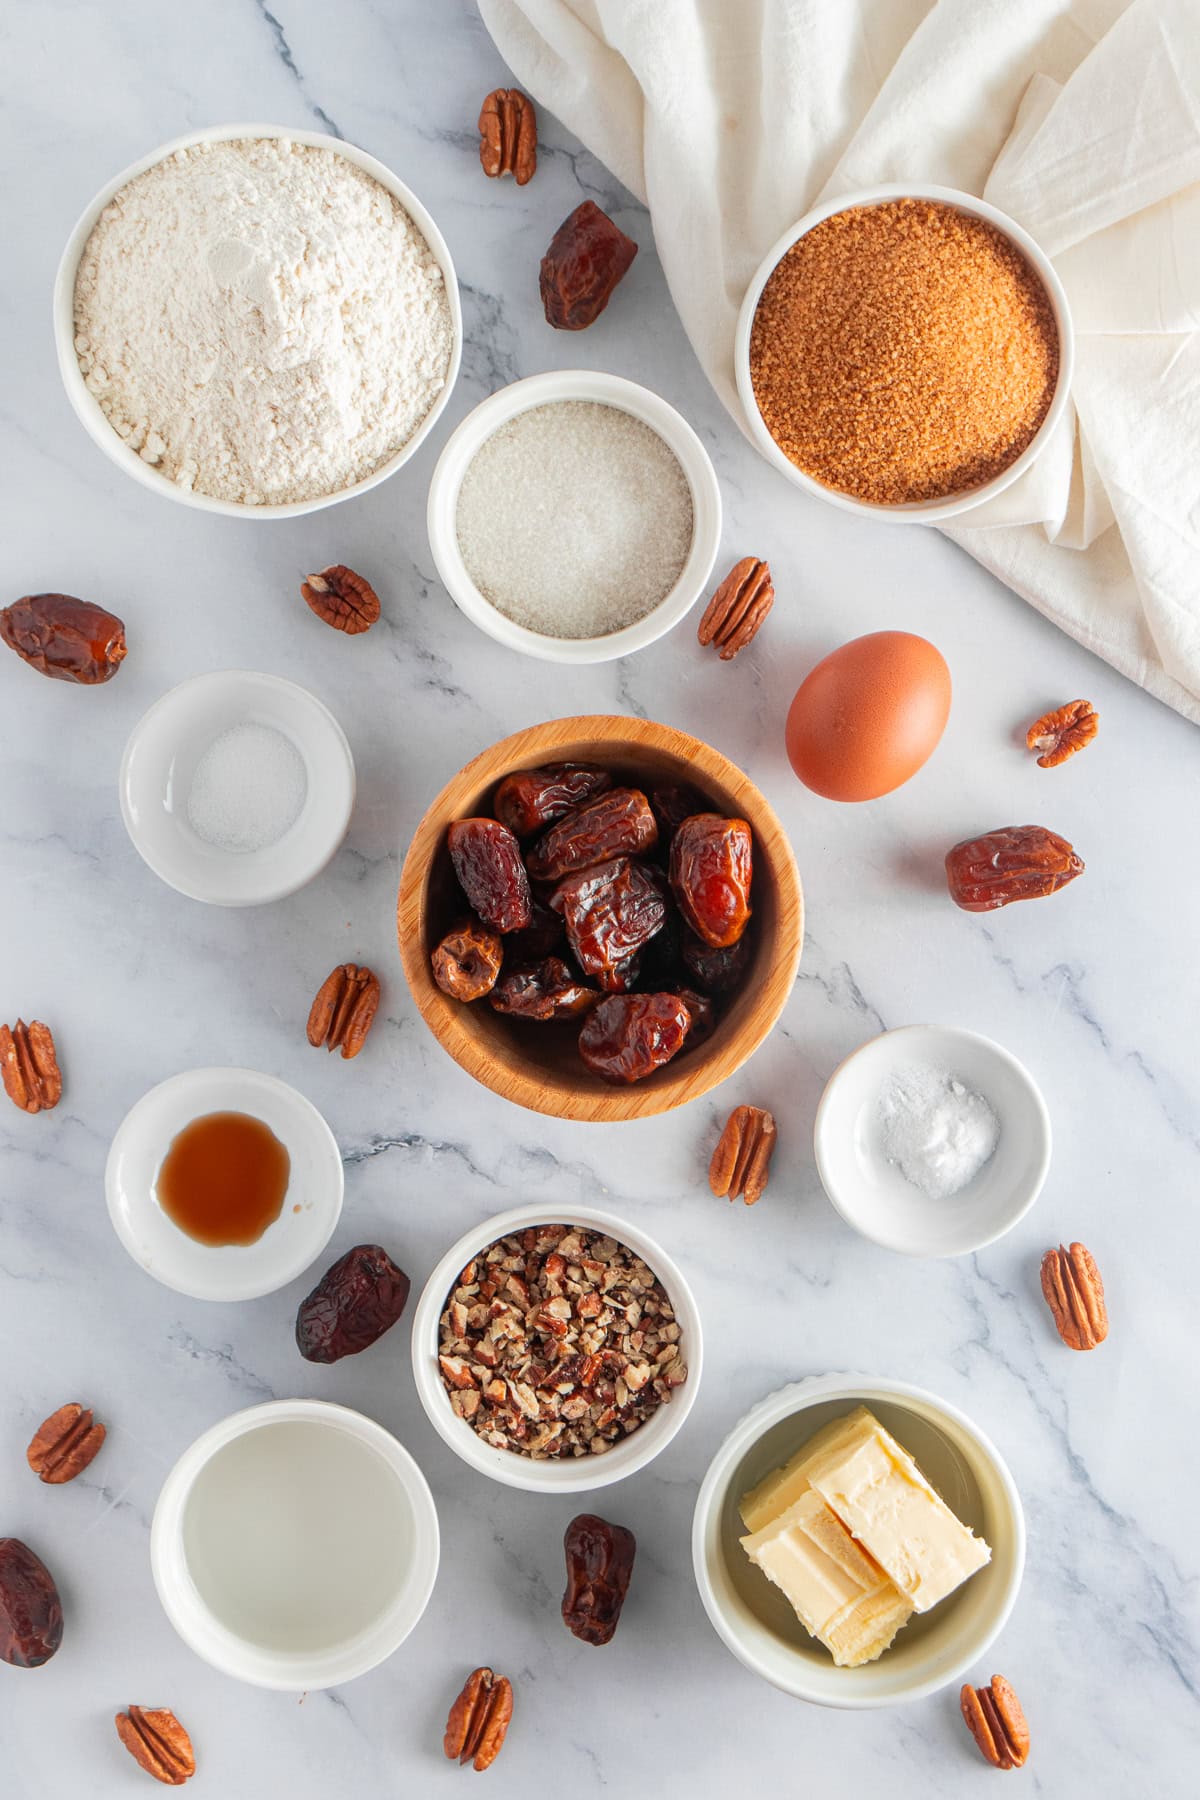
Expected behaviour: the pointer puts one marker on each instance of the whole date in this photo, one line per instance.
(487, 861)
(712, 865)
(587, 257)
(65, 638)
(358, 1298)
(31, 1614)
(599, 1565)
(619, 823)
(629, 1036)
(1016, 862)
(544, 991)
(611, 911)
(531, 799)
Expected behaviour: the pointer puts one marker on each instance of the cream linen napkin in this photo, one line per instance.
(1080, 118)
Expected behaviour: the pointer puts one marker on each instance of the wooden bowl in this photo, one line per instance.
(539, 1066)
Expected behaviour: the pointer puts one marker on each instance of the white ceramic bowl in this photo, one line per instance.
(294, 1545)
(752, 1616)
(571, 1475)
(873, 1196)
(311, 1207)
(160, 760)
(607, 390)
(88, 408)
(921, 512)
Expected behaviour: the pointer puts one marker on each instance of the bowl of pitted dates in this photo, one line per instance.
(600, 918)
(556, 1351)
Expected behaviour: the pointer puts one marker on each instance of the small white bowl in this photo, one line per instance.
(91, 413)
(542, 390)
(568, 1475)
(872, 1195)
(160, 760)
(754, 1619)
(294, 1545)
(311, 1207)
(919, 512)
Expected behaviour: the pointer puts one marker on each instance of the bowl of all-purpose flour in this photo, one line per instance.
(257, 321)
(932, 1140)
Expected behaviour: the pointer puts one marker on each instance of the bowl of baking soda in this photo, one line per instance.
(256, 321)
(932, 1140)
(574, 516)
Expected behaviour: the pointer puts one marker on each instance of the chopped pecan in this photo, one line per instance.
(65, 638)
(739, 606)
(158, 1743)
(344, 1010)
(479, 1720)
(65, 1444)
(742, 1158)
(996, 1721)
(467, 961)
(343, 599)
(1059, 734)
(1075, 1295)
(508, 135)
(29, 1066)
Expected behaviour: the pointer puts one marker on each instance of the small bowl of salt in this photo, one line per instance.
(237, 788)
(932, 1141)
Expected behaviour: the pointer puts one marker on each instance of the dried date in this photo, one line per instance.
(599, 1565)
(487, 861)
(629, 1036)
(671, 806)
(618, 823)
(467, 961)
(712, 864)
(65, 638)
(1016, 862)
(31, 1615)
(611, 911)
(587, 257)
(545, 991)
(531, 799)
(356, 1300)
(716, 971)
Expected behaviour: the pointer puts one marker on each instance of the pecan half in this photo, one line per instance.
(343, 599)
(996, 1721)
(1075, 1295)
(479, 1720)
(508, 135)
(29, 1066)
(1059, 734)
(65, 1444)
(742, 1158)
(739, 606)
(344, 1010)
(158, 1743)
(467, 961)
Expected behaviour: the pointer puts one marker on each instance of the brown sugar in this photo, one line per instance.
(903, 352)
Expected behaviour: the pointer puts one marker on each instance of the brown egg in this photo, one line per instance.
(869, 715)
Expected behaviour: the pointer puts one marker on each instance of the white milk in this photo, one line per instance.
(297, 1536)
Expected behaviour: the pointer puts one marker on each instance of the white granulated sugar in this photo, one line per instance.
(261, 320)
(249, 787)
(574, 519)
(937, 1131)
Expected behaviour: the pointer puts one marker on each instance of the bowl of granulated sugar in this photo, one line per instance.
(904, 353)
(256, 321)
(575, 516)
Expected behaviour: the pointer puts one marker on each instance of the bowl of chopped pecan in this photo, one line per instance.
(600, 918)
(556, 1350)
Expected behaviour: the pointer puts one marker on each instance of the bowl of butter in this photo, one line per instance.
(858, 1542)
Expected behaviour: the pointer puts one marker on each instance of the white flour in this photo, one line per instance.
(261, 320)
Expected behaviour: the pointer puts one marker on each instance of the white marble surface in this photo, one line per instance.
(1095, 989)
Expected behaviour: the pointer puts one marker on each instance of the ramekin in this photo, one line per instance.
(91, 413)
(295, 1671)
(752, 1617)
(572, 1475)
(919, 512)
(606, 390)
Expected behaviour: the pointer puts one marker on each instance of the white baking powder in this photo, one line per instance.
(261, 320)
(249, 787)
(574, 519)
(937, 1131)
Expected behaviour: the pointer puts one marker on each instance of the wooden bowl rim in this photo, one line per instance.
(674, 1085)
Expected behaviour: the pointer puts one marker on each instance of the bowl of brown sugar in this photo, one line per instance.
(905, 354)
